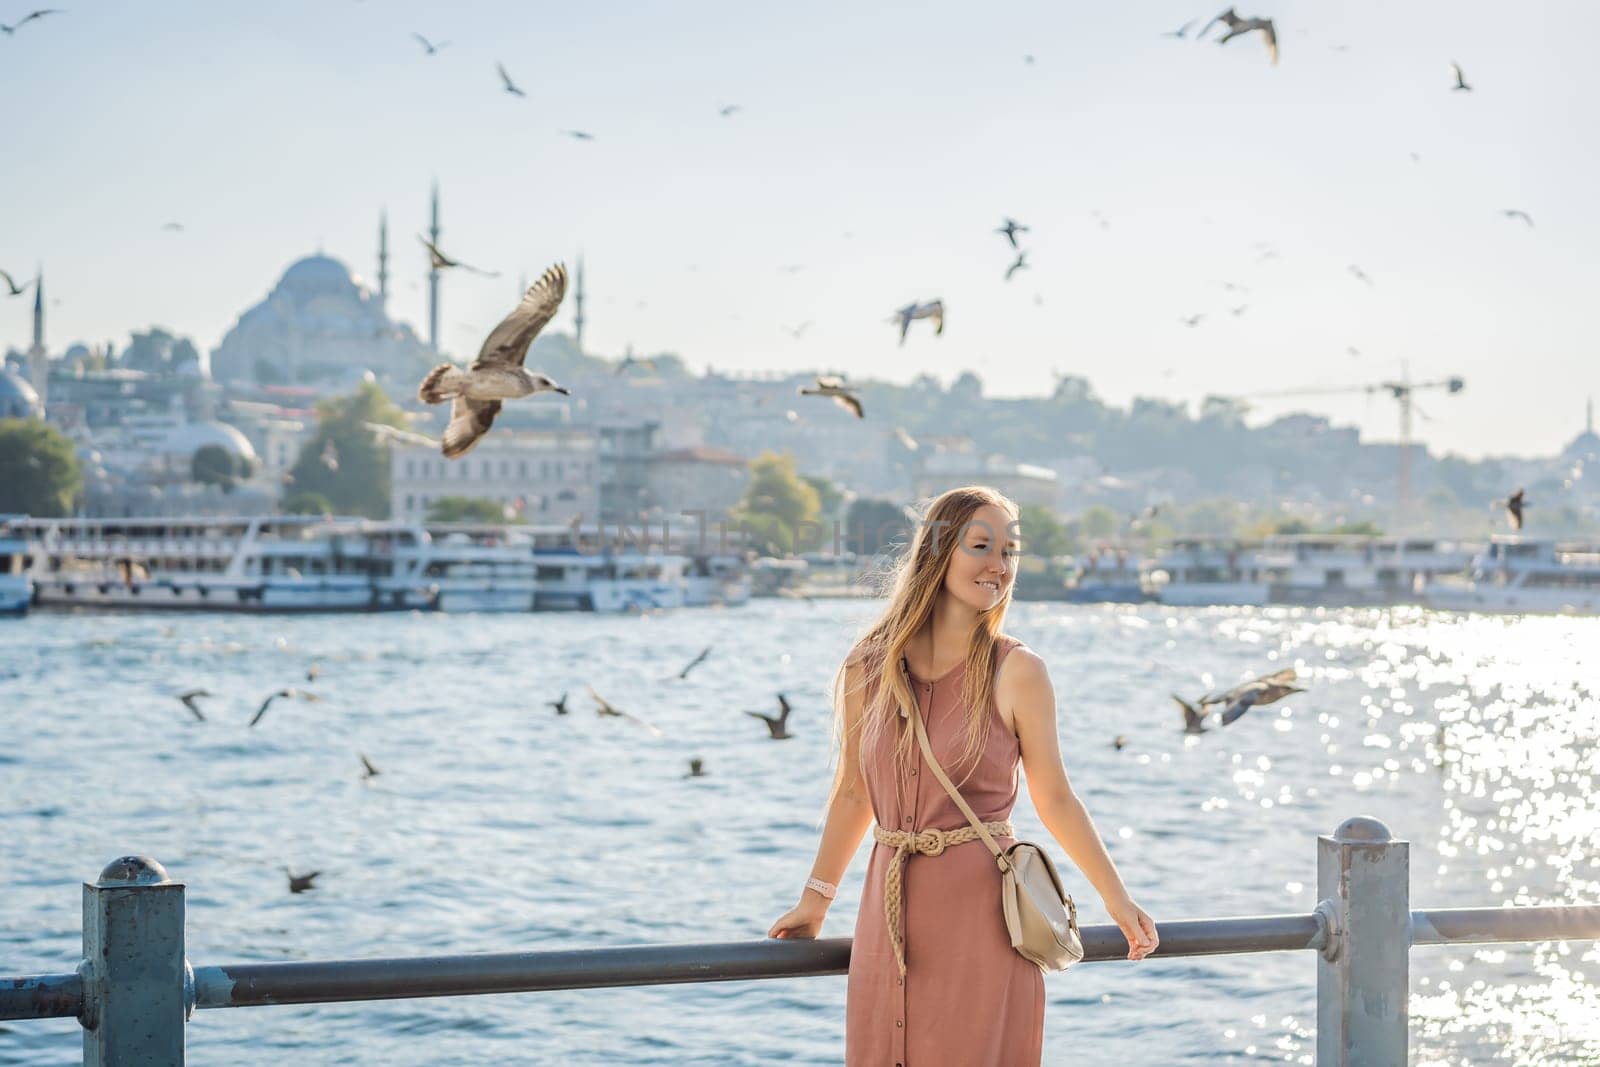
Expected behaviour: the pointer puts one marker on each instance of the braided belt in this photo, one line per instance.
(926, 843)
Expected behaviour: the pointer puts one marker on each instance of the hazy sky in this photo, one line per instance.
(878, 146)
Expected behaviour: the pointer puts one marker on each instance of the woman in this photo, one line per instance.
(939, 983)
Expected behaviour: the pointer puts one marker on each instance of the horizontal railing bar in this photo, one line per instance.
(41, 996)
(330, 981)
(1465, 926)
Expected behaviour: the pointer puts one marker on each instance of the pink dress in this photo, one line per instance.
(967, 998)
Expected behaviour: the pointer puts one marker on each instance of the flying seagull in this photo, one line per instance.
(367, 769)
(559, 705)
(299, 883)
(832, 385)
(1238, 26)
(1358, 274)
(267, 703)
(437, 260)
(29, 17)
(797, 331)
(1011, 228)
(578, 135)
(701, 658)
(777, 725)
(497, 374)
(1258, 692)
(1021, 263)
(1193, 717)
(605, 707)
(729, 109)
(428, 47)
(1461, 80)
(1192, 321)
(505, 79)
(11, 284)
(934, 310)
(1514, 505)
(174, 227)
(1181, 31)
(189, 699)
(1515, 213)
(907, 442)
(396, 436)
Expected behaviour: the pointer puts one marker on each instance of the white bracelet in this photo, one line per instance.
(827, 889)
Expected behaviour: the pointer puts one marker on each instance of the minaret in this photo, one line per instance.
(577, 302)
(383, 258)
(38, 358)
(433, 277)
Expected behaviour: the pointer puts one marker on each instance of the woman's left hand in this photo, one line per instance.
(1136, 926)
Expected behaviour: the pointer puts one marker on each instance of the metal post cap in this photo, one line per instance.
(133, 870)
(1362, 829)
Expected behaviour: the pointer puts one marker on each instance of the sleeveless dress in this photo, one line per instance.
(967, 999)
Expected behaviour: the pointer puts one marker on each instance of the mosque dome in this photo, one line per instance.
(17, 398)
(184, 441)
(317, 275)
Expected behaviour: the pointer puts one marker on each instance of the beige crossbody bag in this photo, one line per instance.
(1040, 914)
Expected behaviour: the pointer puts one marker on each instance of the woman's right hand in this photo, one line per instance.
(804, 920)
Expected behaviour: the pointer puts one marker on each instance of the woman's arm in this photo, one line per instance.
(849, 815)
(1024, 687)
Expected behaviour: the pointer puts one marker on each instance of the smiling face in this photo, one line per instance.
(984, 562)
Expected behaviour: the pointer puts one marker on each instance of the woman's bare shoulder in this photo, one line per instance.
(1022, 666)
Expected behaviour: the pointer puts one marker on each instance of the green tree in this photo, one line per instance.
(308, 504)
(215, 465)
(872, 526)
(466, 509)
(1042, 534)
(39, 473)
(1099, 522)
(776, 502)
(353, 475)
(829, 496)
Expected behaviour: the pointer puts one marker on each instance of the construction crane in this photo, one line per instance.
(1402, 391)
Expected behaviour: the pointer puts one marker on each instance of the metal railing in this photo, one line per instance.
(134, 990)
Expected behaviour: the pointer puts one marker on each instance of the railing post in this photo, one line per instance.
(1363, 977)
(137, 989)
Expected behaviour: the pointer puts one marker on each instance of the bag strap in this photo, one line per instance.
(938, 771)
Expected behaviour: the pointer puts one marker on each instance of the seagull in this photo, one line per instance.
(1238, 26)
(174, 227)
(29, 17)
(1011, 228)
(1119, 742)
(797, 331)
(1515, 213)
(396, 436)
(605, 707)
(1359, 274)
(1240, 310)
(1514, 505)
(1021, 263)
(437, 260)
(265, 704)
(497, 374)
(1352, 351)
(313, 671)
(701, 658)
(559, 705)
(428, 47)
(189, 699)
(908, 442)
(1256, 692)
(299, 883)
(697, 768)
(1192, 321)
(511, 86)
(11, 284)
(368, 770)
(1461, 80)
(1181, 31)
(578, 135)
(330, 456)
(777, 725)
(832, 385)
(1193, 717)
(729, 109)
(934, 310)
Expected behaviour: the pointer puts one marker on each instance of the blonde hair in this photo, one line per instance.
(916, 580)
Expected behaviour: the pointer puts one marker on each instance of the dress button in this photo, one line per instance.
(908, 820)
(899, 981)
(899, 1023)
(913, 772)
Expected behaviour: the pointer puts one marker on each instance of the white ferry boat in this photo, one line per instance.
(1353, 569)
(716, 578)
(16, 588)
(466, 567)
(1196, 572)
(1535, 576)
(607, 581)
(1107, 576)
